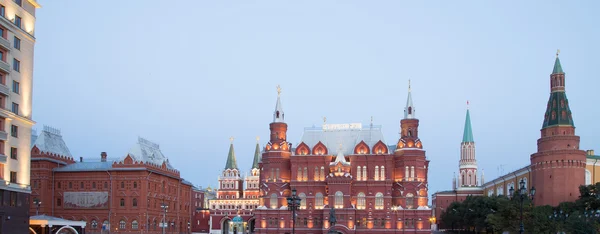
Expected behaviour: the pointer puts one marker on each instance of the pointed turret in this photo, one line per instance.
(409, 110)
(557, 67)
(231, 161)
(468, 133)
(278, 116)
(256, 155)
(558, 112)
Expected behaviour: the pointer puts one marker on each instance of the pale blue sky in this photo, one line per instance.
(191, 74)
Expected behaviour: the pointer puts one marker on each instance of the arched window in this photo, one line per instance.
(122, 184)
(122, 224)
(135, 186)
(122, 202)
(305, 174)
(322, 174)
(273, 201)
(410, 201)
(299, 175)
(379, 201)
(319, 201)
(134, 202)
(376, 173)
(360, 201)
(525, 180)
(406, 175)
(134, 225)
(339, 199)
(499, 191)
(412, 171)
(94, 224)
(302, 197)
(277, 173)
(358, 174)
(470, 177)
(364, 174)
(316, 175)
(588, 177)
(382, 174)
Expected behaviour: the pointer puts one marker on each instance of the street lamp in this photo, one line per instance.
(522, 195)
(293, 204)
(37, 203)
(164, 206)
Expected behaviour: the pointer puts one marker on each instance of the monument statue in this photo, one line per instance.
(332, 219)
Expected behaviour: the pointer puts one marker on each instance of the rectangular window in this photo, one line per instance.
(16, 87)
(58, 184)
(13, 198)
(13, 177)
(16, 65)
(58, 202)
(3, 55)
(18, 21)
(2, 78)
(2, 101)
(14, 131)
(17, 43)
(2, 10)
(19, 2)
(13, 152)
(15, 108)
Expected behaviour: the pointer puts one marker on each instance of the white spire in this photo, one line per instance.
(409, 110)
(278, 114)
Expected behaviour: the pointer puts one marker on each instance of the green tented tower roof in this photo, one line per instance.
(231, 162)
(468, 133)
(557, 67)
(256, 157)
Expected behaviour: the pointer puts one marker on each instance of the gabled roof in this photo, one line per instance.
(147, 151)
(50, 141)
(347, 137)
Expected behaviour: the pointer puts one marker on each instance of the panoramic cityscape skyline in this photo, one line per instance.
(347, 62)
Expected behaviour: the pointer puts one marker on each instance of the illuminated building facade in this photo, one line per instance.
(122, 195)
(17, 41)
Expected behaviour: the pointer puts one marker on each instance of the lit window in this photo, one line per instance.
(410, 200)
(134, 225)
(302, 201)
(376, 173)
(361, 201)
(319, 201)
(379, 201)
(358, 175)
(122, 224)
(339, 199)
(273, 201)
(382, 174)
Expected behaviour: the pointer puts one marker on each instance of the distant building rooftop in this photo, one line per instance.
(344, 136)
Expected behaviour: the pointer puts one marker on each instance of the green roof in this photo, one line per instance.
(256, 157)
(558, 111)
(557, 67)
(468, 134)
(231, 162)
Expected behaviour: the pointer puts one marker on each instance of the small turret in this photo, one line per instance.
(231, 161)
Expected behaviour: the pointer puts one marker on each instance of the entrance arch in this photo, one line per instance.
(251, 225)
(67, 230)
(225, 226)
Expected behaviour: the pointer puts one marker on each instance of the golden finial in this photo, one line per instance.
(231, 139)
(278, 90)
(257, 139)
(557, 52)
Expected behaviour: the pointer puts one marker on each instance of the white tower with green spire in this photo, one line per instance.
(468, 163)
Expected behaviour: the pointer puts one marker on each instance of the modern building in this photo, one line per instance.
(556, 170)
(17, 41)
(132, 194)
(347, 169)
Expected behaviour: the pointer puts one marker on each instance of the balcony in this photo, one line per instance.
(4, 43)
(4, 90)
(4, 66)
(3, 158)
(3, 136)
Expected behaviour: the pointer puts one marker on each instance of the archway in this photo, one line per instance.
(67, 230)
(31, 231)
(225, 226)
(251, 225)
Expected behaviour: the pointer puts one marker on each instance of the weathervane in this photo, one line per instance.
(278, 90)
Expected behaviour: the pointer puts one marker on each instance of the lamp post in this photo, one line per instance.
(37, 203)
(559, 216)
(293, 204)
(522, 195)
(164, 206)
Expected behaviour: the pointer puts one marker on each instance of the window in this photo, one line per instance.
(81, 185)
(93, 184)
(134, 224)
(3, 82)
(299, 175)
(19, 2)
(70, 185)
(14, 131)
(499, 191)
(58, 184)
(13, 198)
(122, 184)
(364, 173)
(122, 224)
(412, 171)
(273, 201)
(379, 201)
(58, 202)
(13, 177)
(360, 201)
(13, 153)
(17, 43)
(376, 173)
(105, 185)
(16, 65)
(322, 174)
(588, 177)
(410, 200)
(3, 55)
(134, 184)
(94, 224)
(134, 202)
(406, 175)
(277, 173)
(382, 174)
(16, 87)
(302, 197)
(358, 174)
(122, 203)
(339, 199)
(2, 11)
(18, 21)
(319, 201)
(305, 176)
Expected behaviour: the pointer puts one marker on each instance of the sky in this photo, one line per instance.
(189, 75)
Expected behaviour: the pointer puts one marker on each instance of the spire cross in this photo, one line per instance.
(231, 140)
(257, 139)
(278, 90)
(557, 52)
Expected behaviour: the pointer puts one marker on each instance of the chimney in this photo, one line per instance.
(80, 159)
(103, 157)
